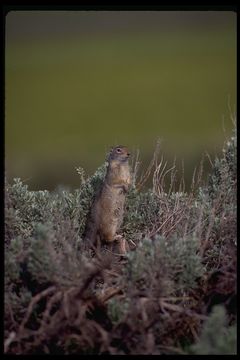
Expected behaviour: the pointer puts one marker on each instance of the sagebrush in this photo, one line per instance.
(174, 292)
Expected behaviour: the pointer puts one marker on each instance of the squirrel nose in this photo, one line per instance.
(128, 154)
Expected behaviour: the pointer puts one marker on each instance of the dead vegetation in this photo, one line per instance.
(162, 298)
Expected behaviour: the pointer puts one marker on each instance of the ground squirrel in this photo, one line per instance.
(106, 214)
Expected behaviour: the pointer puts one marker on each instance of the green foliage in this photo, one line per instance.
(165, 266)
(183, 262)
(142, 210)
(224, 175)
(216, 338)
(183, 258)
(117, 310)
(87, 189)
(219, 205)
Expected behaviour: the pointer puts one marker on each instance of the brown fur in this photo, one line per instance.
(107, 210)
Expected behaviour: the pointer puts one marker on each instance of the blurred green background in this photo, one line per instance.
(78, 82)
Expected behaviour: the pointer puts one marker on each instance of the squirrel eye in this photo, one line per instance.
(118, 150)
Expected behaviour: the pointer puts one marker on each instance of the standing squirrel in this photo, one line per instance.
(106, 214)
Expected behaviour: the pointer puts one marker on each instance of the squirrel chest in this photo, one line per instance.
(108, 207)
(112, 199)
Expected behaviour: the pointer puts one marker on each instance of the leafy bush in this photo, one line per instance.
(166, 296)
(216, 337)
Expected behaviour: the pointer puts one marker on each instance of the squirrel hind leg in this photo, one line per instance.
(122, 244)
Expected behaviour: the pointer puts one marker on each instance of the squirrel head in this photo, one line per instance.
(119, 153)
